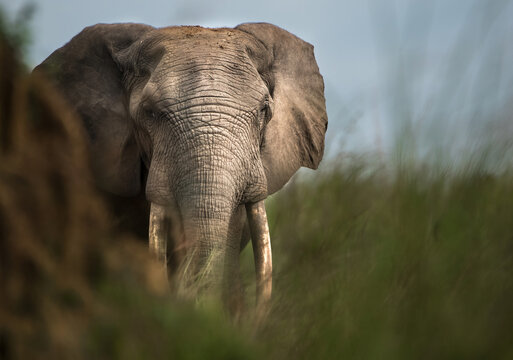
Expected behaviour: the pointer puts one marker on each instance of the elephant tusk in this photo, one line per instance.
(261, 241)
(158, 233)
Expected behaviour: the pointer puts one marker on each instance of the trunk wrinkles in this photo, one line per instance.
(209, 174)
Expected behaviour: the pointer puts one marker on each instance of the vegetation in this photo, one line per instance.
(374, 267)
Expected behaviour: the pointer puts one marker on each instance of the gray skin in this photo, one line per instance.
(201, 121)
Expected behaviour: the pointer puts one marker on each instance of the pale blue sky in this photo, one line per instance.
(384, 62)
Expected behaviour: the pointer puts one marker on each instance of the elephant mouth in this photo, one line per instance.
(163, 236)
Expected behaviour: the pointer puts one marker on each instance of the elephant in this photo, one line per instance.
(203, 124)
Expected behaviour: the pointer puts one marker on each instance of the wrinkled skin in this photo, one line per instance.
(202, 121)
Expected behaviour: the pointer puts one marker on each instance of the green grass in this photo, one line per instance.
(368, 264)
(373, 266)
(137, 325)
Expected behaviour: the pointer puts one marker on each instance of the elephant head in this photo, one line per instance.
(208, 122)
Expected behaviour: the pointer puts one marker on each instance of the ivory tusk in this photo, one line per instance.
(261, 240)
(158, 233)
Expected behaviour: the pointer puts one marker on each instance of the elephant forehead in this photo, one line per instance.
(197, 32)
(197, 41)
(206, 71)
(198, 63)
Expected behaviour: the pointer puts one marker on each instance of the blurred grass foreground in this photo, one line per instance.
(413, 264)
(71, 288)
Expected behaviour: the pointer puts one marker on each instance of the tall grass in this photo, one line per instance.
(370, 266)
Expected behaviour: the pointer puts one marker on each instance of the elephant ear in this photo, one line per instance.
(294, 136)
(87, 73)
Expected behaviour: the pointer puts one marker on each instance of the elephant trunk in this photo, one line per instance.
(208, 188)
(200, 247)
(210, 254)
(202, 206)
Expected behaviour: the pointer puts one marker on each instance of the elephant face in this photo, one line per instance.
(204, 121)
(199, 108)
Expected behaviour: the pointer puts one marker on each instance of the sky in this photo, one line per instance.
(433, 70)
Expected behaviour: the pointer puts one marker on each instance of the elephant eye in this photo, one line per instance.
(266, 110)
(149, 112)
